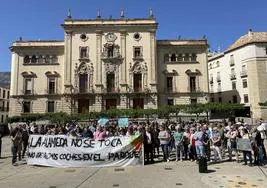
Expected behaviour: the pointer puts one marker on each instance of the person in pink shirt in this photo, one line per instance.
(100, 134)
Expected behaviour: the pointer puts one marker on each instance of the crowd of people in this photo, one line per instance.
(187, 140)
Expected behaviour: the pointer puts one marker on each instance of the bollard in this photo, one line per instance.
(202, 165)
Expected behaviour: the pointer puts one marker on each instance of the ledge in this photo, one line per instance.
(39, 64)
(181, 62)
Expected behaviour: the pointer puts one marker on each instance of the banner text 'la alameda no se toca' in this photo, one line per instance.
(64, 151)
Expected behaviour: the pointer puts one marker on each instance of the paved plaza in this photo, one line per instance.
(172, 174)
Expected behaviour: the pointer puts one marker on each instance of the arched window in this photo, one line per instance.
(194, 57)
(180, 57)
(34, 59)
(173, 57)
(40, 59)
(54, 59)
(186, 57)
(47, 59)
(26, 59)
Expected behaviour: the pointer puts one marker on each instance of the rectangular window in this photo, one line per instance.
(7, 106)
(244, 68)
(4, 94)
(137, 52)
(212, 99)
(169, 84)
(83, 83)
(0, 93)
(137, 82)
(51, 85)
(192, 84)
(27, 86)
(3, 106)
(232, 60)
(51, 106)
(26, 107)
(83, 52)
(219, 87)
(234, 99)
(2, 118)
(193, 101)
(246, 98)
(245, 83)
(220, 99)
(170, 102)
(8, 95)
(111, 82)
(233, 85)
(110, 50)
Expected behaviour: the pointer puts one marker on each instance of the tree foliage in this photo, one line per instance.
(162, 112)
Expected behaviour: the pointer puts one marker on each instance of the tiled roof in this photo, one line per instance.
(250, 38)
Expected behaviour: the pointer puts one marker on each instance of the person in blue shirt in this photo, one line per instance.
(199, 137)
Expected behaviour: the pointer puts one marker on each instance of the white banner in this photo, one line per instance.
(64, 151)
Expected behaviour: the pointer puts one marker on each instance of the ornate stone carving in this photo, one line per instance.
(111, 37)
(110, 67)
(84, 68)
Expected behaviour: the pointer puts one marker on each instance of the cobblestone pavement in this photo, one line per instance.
(162, 174)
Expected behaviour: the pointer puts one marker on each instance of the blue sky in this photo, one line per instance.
(221, 21)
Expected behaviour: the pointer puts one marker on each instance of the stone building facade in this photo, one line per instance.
(238, 74)
(107, 63)
(4, 104)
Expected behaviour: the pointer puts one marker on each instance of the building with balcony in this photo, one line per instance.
(107, 63)
(243, 67)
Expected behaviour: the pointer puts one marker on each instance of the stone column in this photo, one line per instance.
(98, 57)
(68, 61)
(123, 66)
(153, 63)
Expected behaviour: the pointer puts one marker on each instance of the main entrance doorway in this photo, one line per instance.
(83, 105)
(138, 103)
(111, 103)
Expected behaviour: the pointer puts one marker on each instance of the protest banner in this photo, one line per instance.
(243, 144)
(64, 151)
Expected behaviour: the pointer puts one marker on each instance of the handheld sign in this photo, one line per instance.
(102, 121)
(123, 122)
(243, 144)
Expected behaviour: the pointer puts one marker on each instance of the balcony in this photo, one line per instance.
(27, 92)
(169, 90)
(218, 78)
(243, 73)
(51, 92)
(193, 89)
(232, 76)
(138, 57)
(84, 58)
(113, 57)
(111, 90)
